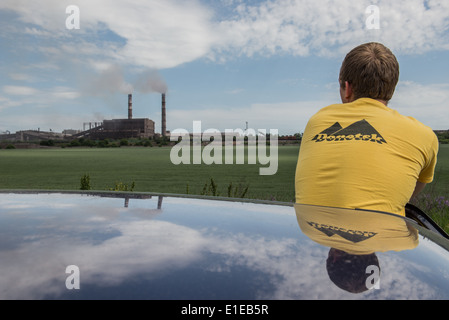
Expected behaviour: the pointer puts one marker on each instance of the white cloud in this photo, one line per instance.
(44, 108)
(38, 96)
(142, 34)
(20, 77)
(286, 117)
(325, 27)
(160, 34)
(112, 245)
(64, 93)
(19, 90)
(426, 103)
(36, 118)
(164, 34)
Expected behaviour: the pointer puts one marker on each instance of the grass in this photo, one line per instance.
(150, 170)
(434, 200)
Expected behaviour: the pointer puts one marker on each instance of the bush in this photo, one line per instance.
(103, 144)
(75, 143)
(88, 143)
(48, 143)
(148, 143)
(120, 186)
(85, 182)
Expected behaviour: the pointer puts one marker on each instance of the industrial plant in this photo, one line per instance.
(124, 128)
(107, 129)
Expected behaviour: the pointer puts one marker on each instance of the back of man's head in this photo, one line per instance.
(372, 70)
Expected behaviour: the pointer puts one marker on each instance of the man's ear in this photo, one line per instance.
(348, 90)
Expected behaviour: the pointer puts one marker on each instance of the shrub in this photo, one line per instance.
(103, 143)
(88, 143)
(48, 143)
(85, 182)
(120, 186)
(75, 143)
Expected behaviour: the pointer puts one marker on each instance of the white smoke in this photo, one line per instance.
(150, 81)
(108, 81)
(112, 80)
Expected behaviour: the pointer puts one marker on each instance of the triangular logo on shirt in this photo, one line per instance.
(354, 236)
(358, 131)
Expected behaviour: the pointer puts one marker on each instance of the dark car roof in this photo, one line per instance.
(149, 246)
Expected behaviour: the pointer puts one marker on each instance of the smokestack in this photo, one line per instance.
(130, 106)
(164, 128)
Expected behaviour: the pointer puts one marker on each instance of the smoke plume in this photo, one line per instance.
(150, 81)
(108, 81)
(112, 80)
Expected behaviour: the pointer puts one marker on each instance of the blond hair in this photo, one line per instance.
(372, 70)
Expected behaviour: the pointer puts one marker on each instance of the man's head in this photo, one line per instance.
(369, 71)
(348, 271)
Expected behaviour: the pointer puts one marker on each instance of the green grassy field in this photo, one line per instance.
(149, 168)
(152, 171)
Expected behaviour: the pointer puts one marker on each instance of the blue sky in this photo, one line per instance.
(223, 62)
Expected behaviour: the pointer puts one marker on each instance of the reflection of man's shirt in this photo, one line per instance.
(363, 155)
(356, 231)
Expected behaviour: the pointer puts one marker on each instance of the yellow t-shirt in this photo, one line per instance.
(363, 155)
(356, 231)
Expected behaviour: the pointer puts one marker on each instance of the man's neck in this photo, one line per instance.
(380, 100)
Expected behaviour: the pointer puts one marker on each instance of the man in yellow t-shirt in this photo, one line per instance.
(356, 232)
(354, 237)
(361, 154)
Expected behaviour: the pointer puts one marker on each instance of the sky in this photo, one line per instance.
(227, 63)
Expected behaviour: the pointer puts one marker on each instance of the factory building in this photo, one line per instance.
(125, 128)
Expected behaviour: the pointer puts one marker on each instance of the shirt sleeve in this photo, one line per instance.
(427, 173)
